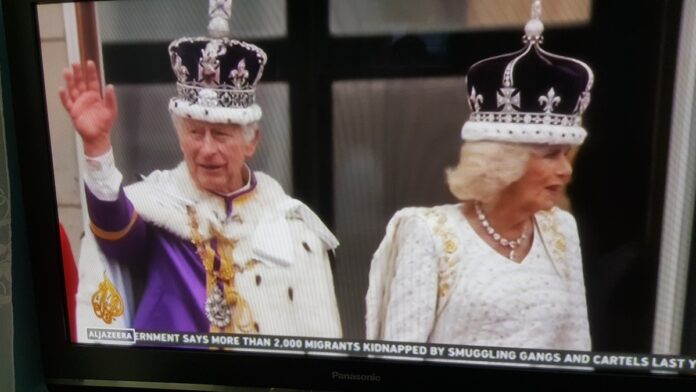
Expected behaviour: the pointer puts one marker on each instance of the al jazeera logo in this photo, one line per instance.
(107, 302)
(108, 305)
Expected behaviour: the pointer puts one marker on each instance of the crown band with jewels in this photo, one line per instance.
(216, 77)
(216, 97)
(530, 96)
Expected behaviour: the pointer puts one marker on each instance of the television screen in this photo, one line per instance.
(336, 194)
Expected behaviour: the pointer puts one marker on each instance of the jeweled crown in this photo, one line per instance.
(529, 96)
(216, 76)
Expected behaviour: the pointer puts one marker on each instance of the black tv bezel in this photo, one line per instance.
(68, 366)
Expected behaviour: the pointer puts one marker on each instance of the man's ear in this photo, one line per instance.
(178, 124)
(250, 148)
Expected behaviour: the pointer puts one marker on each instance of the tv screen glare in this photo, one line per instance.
(271, 193)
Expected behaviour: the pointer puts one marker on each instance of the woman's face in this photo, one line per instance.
(547, 172)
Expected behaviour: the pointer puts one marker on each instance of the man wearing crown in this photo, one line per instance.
(222, 247)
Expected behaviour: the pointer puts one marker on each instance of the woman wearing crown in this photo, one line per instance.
(503, 266)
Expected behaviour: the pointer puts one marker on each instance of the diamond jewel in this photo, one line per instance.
(511, 244)
(208, 97)
(217, 310)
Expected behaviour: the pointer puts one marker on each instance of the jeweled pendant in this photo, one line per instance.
(217, 310)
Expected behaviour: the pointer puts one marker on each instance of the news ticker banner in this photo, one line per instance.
(397, 350)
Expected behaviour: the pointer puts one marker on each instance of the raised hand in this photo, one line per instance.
(92, 115)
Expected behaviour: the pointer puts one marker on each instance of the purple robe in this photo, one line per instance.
(174, 278)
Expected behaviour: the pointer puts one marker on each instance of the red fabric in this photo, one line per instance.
(71, 278)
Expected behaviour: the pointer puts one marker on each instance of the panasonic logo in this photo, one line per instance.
(355, 377)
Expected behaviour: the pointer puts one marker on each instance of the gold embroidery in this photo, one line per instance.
(243, 198)
(560, 245)
(450, 245)
(442, 289)
(557, 240)
(107, 302)
(549, 226)
(250, 264)
(446, 263)
(242, 319)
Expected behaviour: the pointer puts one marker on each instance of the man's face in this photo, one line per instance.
(215, 154)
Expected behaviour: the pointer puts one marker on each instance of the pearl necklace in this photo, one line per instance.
(512, 244)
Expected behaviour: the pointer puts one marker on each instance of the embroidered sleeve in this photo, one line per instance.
(102, 177)
(413, 293)
(113, 219)
(578, 329)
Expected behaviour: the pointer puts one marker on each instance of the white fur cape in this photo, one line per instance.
(281, 232)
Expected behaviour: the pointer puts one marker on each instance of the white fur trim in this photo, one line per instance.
(272, 241)
(162, 197)
(218, 115)
(523, 133)
(295, 209)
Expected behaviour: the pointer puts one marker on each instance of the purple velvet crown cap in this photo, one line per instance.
(216, 76)
(529, 96)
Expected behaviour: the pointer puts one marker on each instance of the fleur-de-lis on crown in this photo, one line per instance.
(240, 75)
(583, 103)
(180, 70)
(509, 99)
(209, 65)
(475, 100)
(549, 101)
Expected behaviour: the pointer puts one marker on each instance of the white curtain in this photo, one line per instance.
(6, 319)
(680, 194)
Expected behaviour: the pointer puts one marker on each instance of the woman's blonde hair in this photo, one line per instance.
(486, 168)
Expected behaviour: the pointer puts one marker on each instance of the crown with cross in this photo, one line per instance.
(216, 76)
(529, 96)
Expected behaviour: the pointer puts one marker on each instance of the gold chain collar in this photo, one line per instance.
(226, 310)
